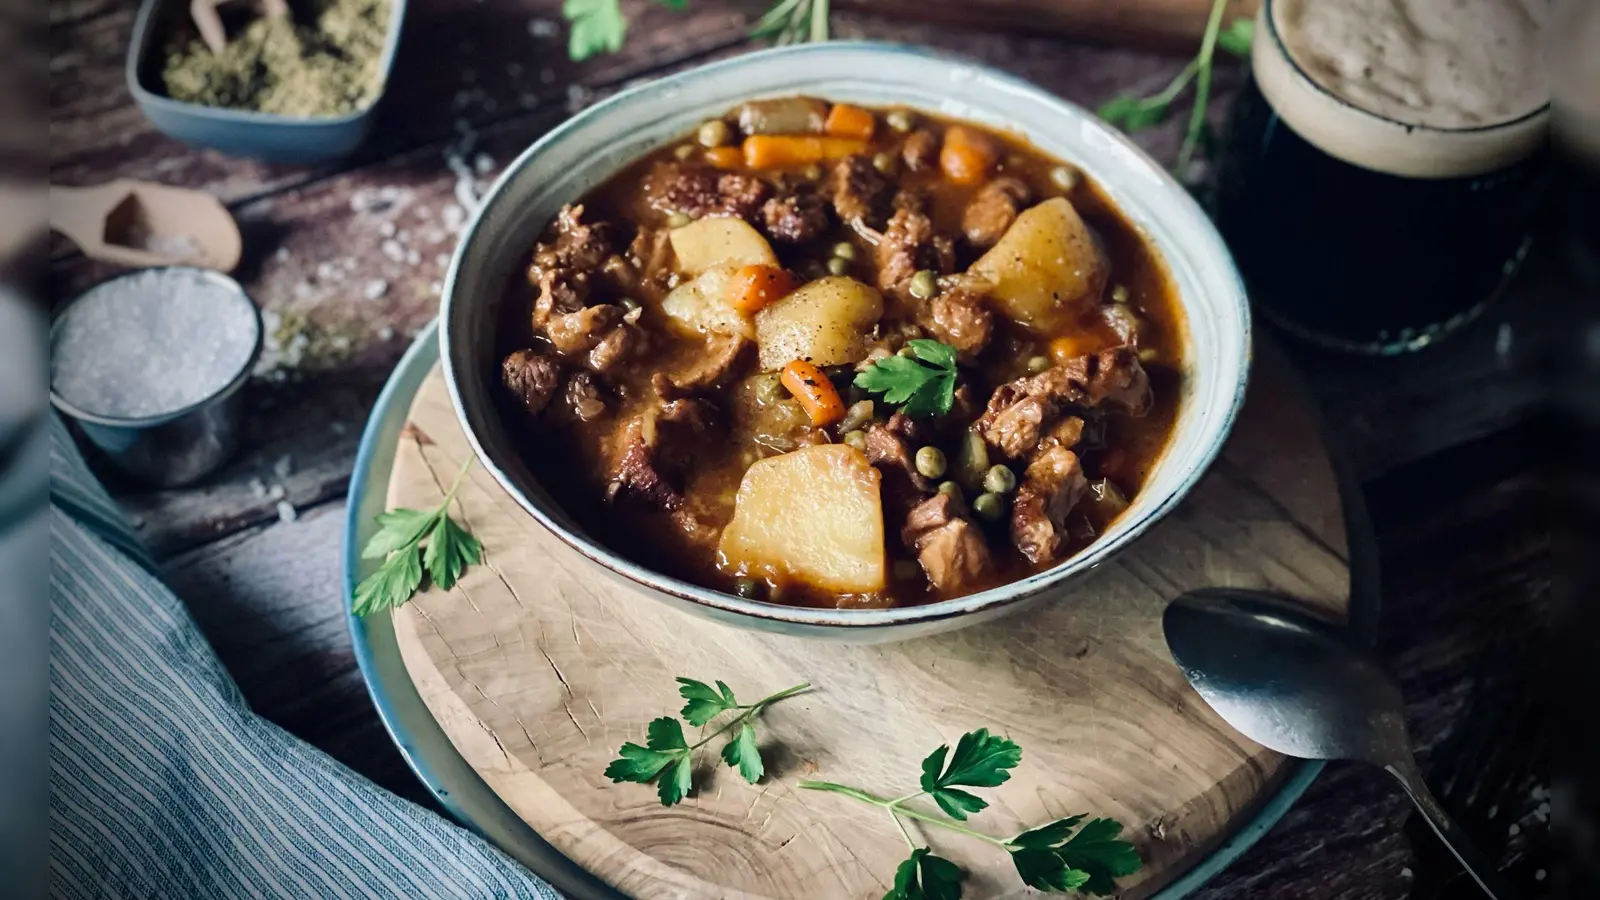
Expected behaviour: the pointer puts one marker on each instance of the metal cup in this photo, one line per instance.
(179, 447)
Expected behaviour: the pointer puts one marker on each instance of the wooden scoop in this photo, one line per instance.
(140, 223)
(204, 14)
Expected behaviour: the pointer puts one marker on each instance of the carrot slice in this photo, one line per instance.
(1071, 346)
(849, 121)
(967, 155)
(779, 151)
(753, 287)
(724, 157)
(816, 393)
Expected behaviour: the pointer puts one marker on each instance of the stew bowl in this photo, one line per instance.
(597, 143)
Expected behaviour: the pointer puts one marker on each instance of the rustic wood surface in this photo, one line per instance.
(1440, 439)
(537, 670)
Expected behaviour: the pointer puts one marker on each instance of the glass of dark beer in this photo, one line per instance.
(1378, 172)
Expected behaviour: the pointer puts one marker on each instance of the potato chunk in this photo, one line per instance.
(703, 306)
(825, 321)
(719, 242)
(1045, 268)
(812, 516)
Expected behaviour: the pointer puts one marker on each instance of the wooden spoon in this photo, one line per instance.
(140, 223)
(206, 19)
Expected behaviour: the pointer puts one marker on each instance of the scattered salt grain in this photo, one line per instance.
(542, 28)
(483, 163)
(386, 229)
(1539, 875)
(442, 260)
(392, 249)
(152, 342)
(1406, 872)
(276, 492)
(413, 257)
(435, 287)
(1502, 340)
(547, 76)
(386, 333)
(326, 271)
(454, 217)
(282, 255)
(283, 466)
(257, 489)
(1514, 830)
(529, 101)
(1494, 811)
(286, 512)
(375, 289)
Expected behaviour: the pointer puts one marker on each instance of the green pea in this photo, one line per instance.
(1119, 294)
(930, 462)
(838, 265)
(678, 220)
(812, 172)
(1037, 364)
(748, 588)
(1064, 177)
(951, 488)
(989, 507)
(906, 570)
(713, 133)
(900, 119)
(844, 250)
(999, 480)
(923, 284)
(857, 439)
(684, 151)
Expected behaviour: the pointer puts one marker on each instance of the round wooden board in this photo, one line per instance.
(538, 668)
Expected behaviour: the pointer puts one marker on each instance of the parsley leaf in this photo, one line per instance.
(676, 781)
(665, 734)
(1089, 861)
(924, 876)
(704, 701)
(638, 764)
(666, 757)
(598, 26)
(741, 753)
(923, 386)
(449, 550)
(1236, 38)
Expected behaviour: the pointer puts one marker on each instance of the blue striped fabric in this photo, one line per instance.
(163, 783)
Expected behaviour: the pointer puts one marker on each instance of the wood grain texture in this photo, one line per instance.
(1152, 23)
(538, 670)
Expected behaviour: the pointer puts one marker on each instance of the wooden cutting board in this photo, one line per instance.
(538, 669)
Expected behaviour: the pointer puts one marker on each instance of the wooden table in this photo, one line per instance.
(1434, 438)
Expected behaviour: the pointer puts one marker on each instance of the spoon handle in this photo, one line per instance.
(1482, 870)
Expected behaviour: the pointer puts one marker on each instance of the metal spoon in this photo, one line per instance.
(1295, 684)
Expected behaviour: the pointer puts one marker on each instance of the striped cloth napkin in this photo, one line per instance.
(163, 783)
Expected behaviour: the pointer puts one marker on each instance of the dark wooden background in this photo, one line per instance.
(1439, 440)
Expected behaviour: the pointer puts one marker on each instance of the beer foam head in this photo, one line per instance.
(1421, 88)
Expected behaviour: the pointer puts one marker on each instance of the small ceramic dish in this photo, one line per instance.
(264, 136)
(597, 143)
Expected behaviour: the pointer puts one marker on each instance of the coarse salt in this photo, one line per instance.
(375, 289)
(150, 343)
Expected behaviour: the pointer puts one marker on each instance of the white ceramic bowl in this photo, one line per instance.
(592, 146)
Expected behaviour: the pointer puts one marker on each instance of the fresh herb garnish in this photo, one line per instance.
(667, 757)
(1050, 858)
(1135, 113)
(922, 386)
(448, 550)
(598, 26)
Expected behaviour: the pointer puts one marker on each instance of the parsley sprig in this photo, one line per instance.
(923, 385)
(410, 541)
(1051, 857)
(1132, 113)
(598, 26)
(667, 758)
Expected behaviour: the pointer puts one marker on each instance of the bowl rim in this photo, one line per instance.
(842, 620)
(143, 38)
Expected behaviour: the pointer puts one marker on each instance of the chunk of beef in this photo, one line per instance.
(1066, 433)
(920, 152)
(1113, 378)
(911, 198)
(859, 190)
(889, 449)
(993, 209)
(915, 432)
(795, 217)
(961, 318)
(1019, 413)
(576, 244)
(651, 255)
(578, 332)
(561, 290)
(637, 481)
(585, 399)
(950, 548)
(698, 191)
(531, 377)
(907, 245)
(622, 343)
(1051, 487)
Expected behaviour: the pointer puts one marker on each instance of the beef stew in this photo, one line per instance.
(819, 354)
